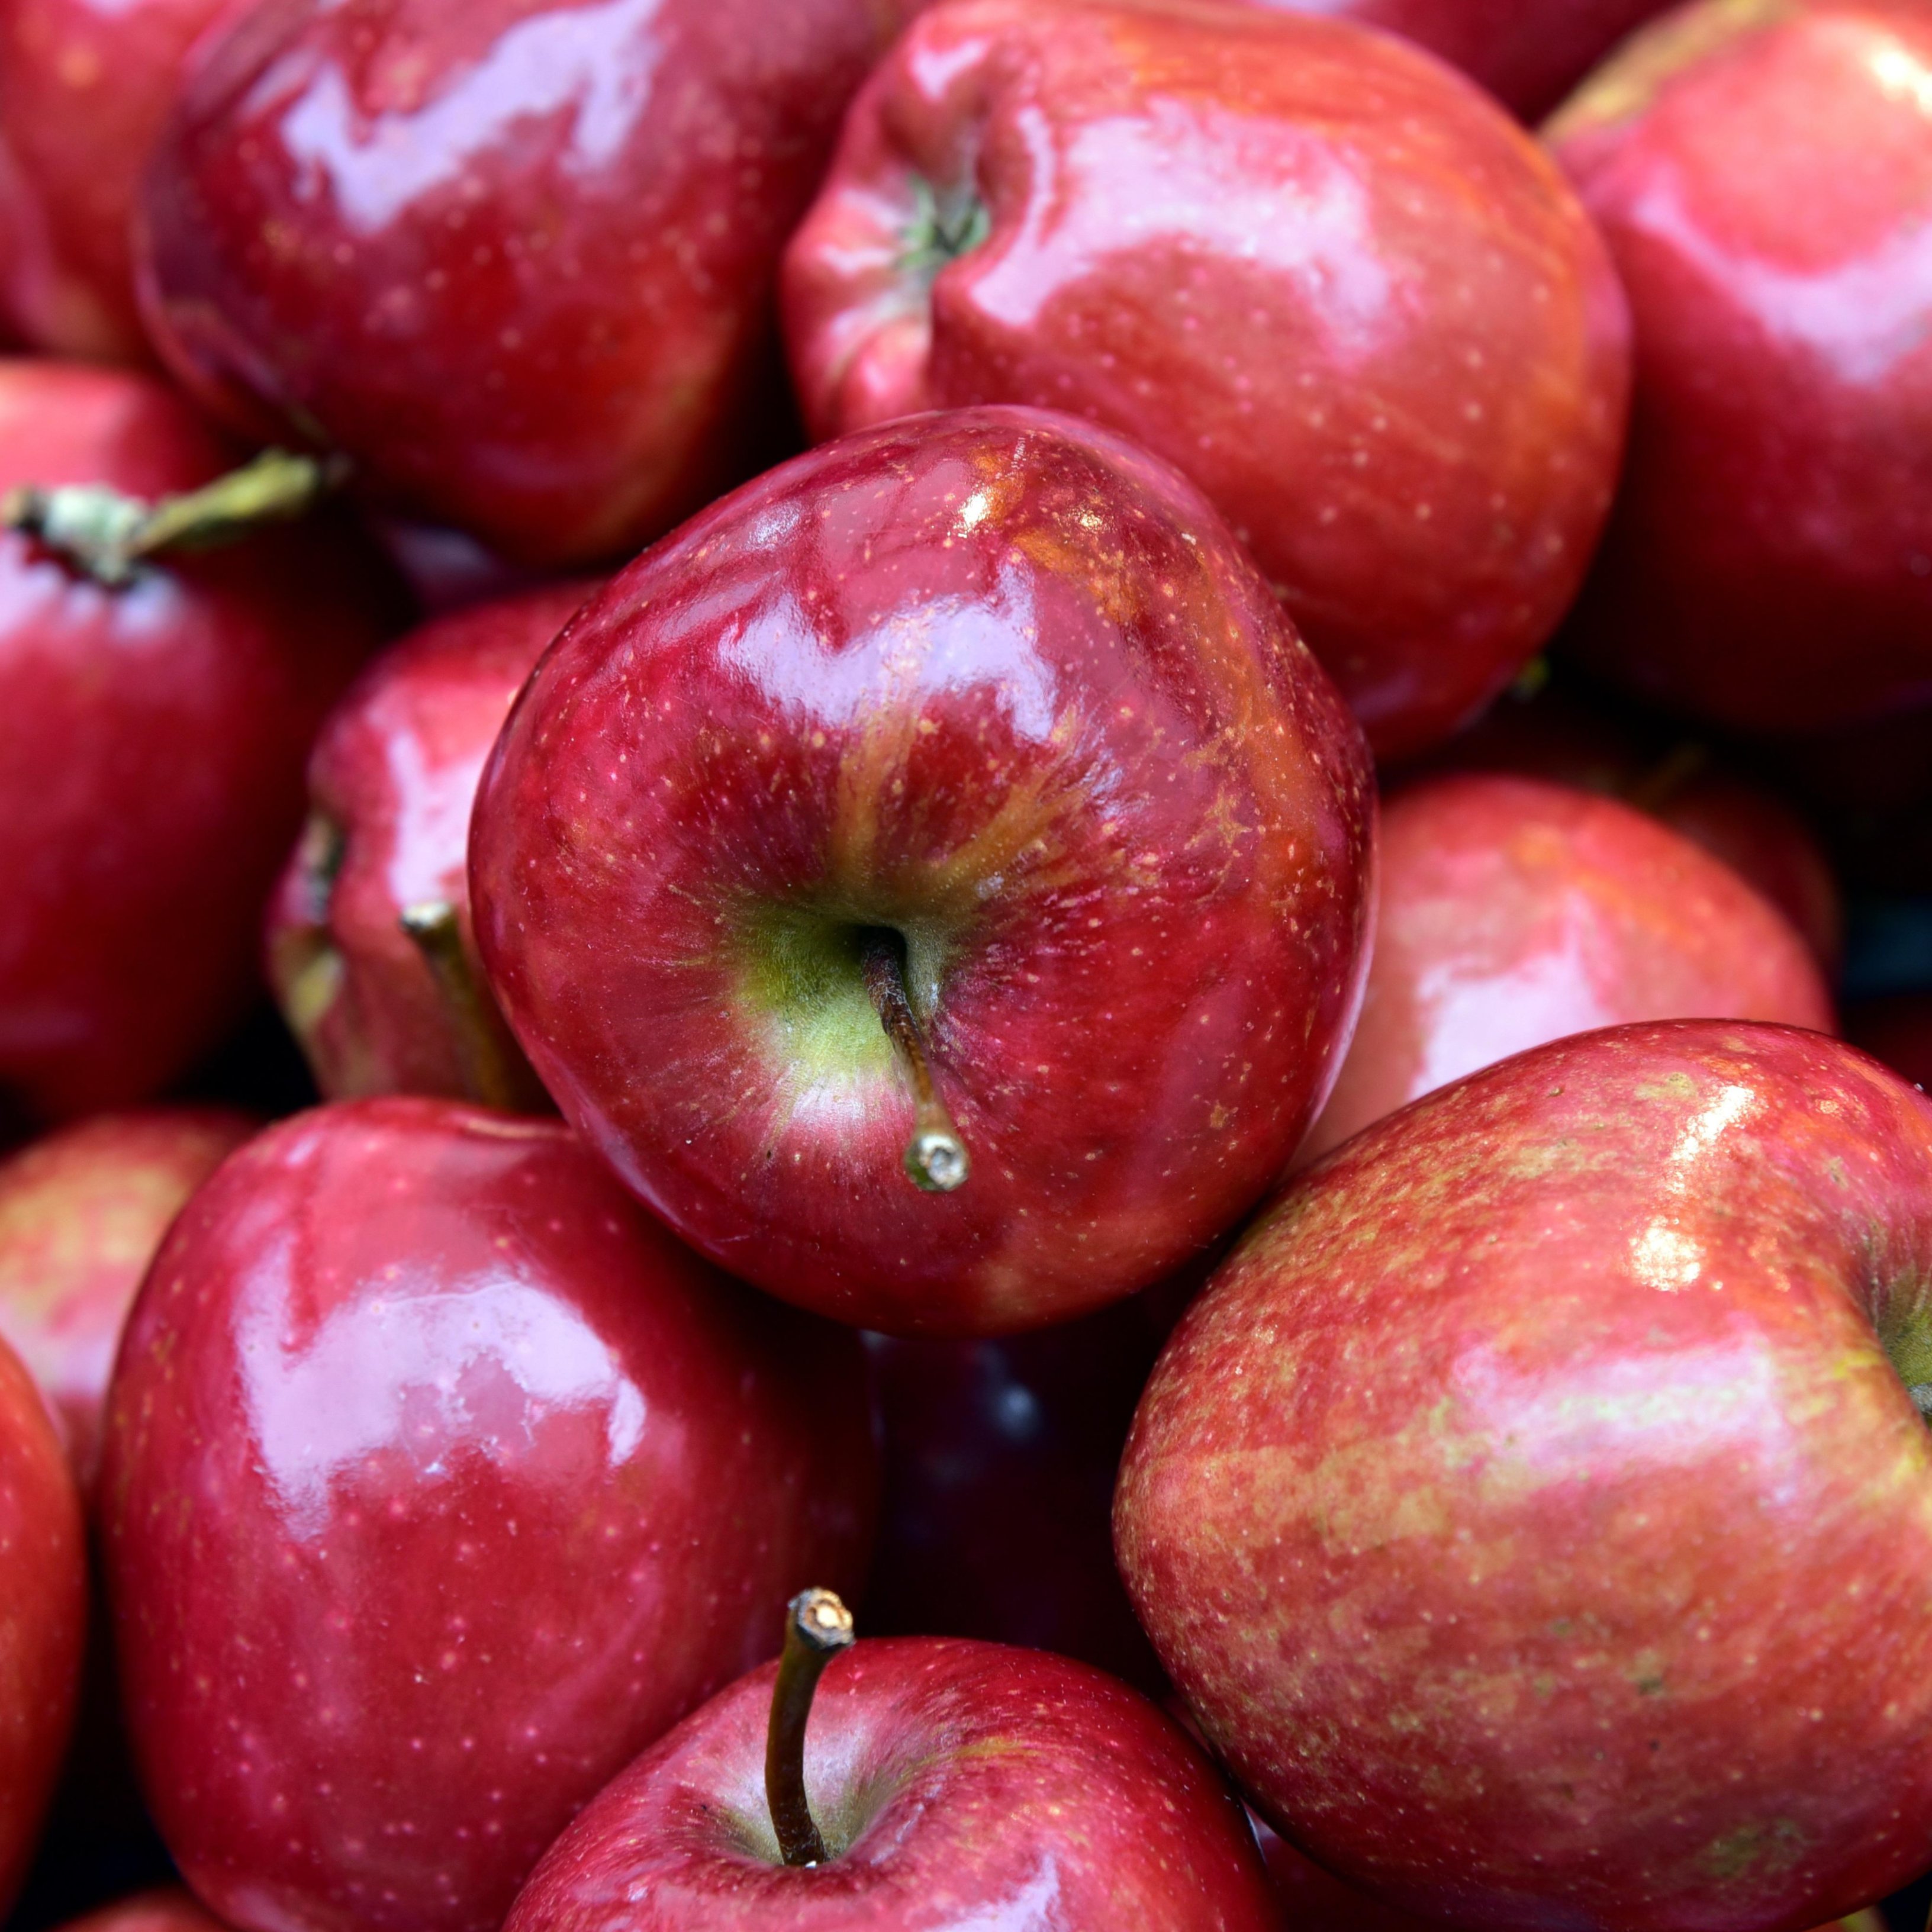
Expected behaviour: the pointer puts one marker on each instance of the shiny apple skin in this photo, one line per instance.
(1567, 1530)
(151, 742)
(1002, 683)
(1763, 173)
(960, 1787)
(165, 1909)
(391, 781)
(1528, 56)
(1323, 275)
(82, 1212)
(42, 1614)
(999, 1459)
(1512, 912)
(438, 1482)
(84, 86)
(523, 251)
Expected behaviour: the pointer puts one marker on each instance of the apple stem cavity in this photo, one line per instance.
(817, 1626)
(488, 1070)
(935, 1156)
(108, 535)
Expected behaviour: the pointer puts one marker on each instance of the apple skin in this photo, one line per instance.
(1762, 177)
(82, 1212)
(1000, 683)
(165, 1909)
(960, 1787)
(1409, 404)
(391, 781)
(1511, 912)
(151, 742)
(1529, 57)
(525, 251)
(507, 1480)
(84, 86)
(1517, 1503)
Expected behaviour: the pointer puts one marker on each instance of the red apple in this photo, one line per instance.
(1763, 174)
(1512, 912)
(1322, 275)
(391, 781)
(165, 1909)
(999, 1459)
(84, 86)
(43, 1615)
(1528, 55)
(523, 252)
(81, 1212)
(967, 757)
(438, 1482)
(1896, 1028)
(957, 1785)
(151, 741)
(1536, 1509)
(1871, 788)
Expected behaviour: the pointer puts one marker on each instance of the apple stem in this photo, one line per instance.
(491, 1075)
(817, 1626)
(935, 1156)
(1668, 776)
(108, 534)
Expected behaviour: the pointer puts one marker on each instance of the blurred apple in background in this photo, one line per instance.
(81, 1212)
(1896, 1028)
(165, 1909)
(969, 752)
(1762, 172)
(391, 781)
(525, 251)
(152, 734)
(1511, 912)
(506, 1480)
(1536, 1509)
(1323, 275)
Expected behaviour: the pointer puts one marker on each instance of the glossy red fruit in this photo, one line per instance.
(1322, 275)
(165, 1909)
(1512, 912)
(151, 742)
(999, 1459)
(958, 1786)
(84, 86)
(998, 694)
(505, 1481)
(81, 1212)
(523, 251)
(1534, 1509)
(43, 1615)
(1763, 172)
(390, 784)
(1528, 56)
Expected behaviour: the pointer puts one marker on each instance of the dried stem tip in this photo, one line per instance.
(490, 1072)
(935, 1157)
(817, 1626)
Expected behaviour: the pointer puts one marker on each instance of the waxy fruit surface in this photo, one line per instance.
(438, 1481)
(1534, 1509)
(1311, 267)
(998, 692)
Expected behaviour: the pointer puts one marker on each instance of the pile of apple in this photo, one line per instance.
(1054, 796)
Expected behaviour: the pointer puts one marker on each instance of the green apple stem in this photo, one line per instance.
(490, 1072)
(109, 536)
(935, 1156)
(817, 1626)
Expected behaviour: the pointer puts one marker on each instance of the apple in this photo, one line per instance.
(1870, 786)
(164, 1908)
(999, 1459)
(84, 86)
(1896, 1028)
(523, 254)
(1512, 912)
(1536, 1509)
(1529, 57)
(82, 1212)
(391, 781)
(1323, 275)
(152, 732)
(953, 806)
(1763, 173)
(438, 1481)
(942, 1783)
